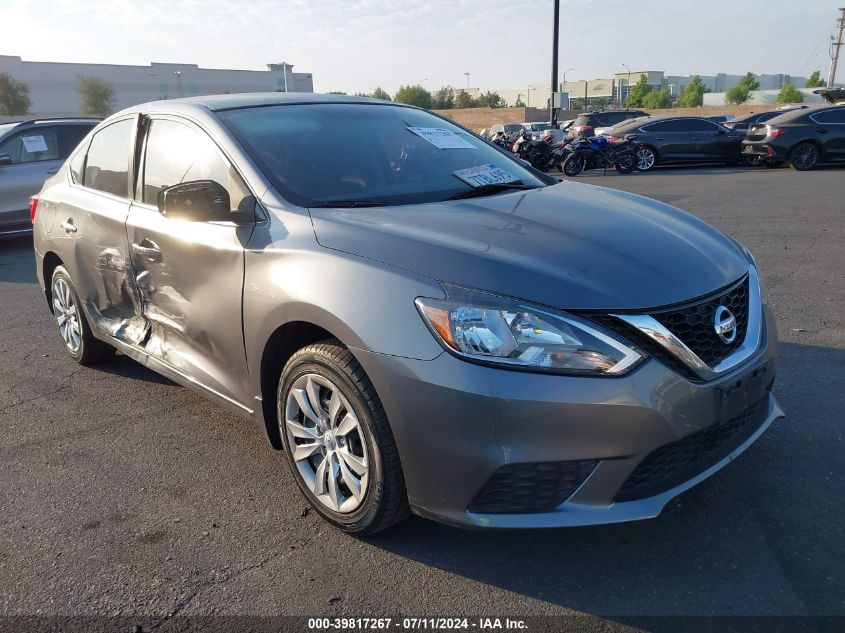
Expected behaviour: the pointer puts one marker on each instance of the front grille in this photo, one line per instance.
(534, 487)
(675, 463)
(694, 324)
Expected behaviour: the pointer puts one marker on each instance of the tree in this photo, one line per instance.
(657, 100)
(378, 93)
(336, 92)
(444, 99)
(490, 100)
(750, 81)
(790, 94)
(638, 92)
(815, 80)
(518, 103)
(599, 102)
(692, 96)
(737, 94)
(464, 100)
(97, 96)
(413, 95)
(14, 96)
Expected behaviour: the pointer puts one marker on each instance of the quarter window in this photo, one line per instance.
(107, 165)
(179, 153)
(32, 145)
(836, 115)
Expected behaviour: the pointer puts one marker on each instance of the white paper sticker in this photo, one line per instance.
(441, 137)
(33, 144)
(484, 175)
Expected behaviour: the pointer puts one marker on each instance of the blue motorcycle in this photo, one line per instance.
(600, 152)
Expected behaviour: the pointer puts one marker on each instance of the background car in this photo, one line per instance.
(30, 152)
(673, 139)
(803, 138)
(741, 123)
(834, 96)
(586, 124)
(505, 128)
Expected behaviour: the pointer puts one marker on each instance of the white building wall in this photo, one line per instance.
(53, 85)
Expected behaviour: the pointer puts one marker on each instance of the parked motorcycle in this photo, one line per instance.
(600, 152)
(537, 152)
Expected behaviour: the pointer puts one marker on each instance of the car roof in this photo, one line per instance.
(799, 113)
(51, 120)
(216, 103)
(753, 116)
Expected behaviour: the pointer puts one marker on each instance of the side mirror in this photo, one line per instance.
(198, 201)
(723, 131)
(5, 159)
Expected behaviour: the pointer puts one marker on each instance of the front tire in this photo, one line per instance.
(804, 156)
(73, 326)
(573, 165)
(338, 441)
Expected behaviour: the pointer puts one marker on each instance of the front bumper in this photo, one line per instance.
(456, 424)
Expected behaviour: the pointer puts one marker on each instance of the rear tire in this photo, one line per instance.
(626, 163)
(573, 165)
(346, 462)
(804, 156)
(73, 326)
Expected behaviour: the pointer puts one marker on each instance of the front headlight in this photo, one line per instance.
(497, 330)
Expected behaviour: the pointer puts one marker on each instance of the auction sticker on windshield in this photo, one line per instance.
(484, 175)
(441, 137)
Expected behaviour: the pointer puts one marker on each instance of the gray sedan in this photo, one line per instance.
(419, 321)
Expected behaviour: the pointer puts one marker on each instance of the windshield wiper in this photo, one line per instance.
(486, 190)
(345, 204)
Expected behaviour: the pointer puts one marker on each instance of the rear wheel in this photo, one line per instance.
(646, 158)
(73, 327)
(338, 441)
(804, 156)
(625, 163)
(573, 165)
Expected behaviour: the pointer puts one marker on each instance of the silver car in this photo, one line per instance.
(30, 152)
(419, 321)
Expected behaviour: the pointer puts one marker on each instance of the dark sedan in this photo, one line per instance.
(803, 138)
(686, 139)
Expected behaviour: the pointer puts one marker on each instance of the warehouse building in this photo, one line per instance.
(53, 85)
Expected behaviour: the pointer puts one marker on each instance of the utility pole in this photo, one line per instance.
(555, 87)
(835, 47)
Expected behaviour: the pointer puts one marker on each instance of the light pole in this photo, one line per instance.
(555, 86)
(467, 74)
(628, 84)
(178, 74)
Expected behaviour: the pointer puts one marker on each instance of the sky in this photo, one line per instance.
(356, 45)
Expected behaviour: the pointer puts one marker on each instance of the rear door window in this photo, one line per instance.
(32, 145)
(107, 164)
(837, 115)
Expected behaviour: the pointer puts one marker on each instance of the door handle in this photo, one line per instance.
(68, 226)
(659, 138)
(147, 248)
(695, 138)
(822, 130)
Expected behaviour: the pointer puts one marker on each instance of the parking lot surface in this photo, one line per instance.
(122, 493)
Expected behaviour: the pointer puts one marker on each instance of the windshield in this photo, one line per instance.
(317, 154)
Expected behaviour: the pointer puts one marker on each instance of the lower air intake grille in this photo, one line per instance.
(536, 487)
(675, 463)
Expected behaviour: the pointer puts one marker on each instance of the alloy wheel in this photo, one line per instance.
(326, 441)
(67, 315)
(645, 159)
(805, 156)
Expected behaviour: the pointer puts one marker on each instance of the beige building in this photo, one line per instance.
(53, 85)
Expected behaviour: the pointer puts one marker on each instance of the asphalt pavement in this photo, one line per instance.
(123, 494)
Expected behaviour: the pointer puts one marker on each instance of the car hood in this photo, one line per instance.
(570, 246)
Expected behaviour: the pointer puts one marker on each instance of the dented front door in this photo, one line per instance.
(189, 274)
